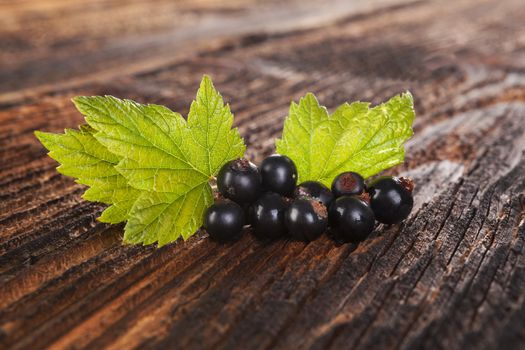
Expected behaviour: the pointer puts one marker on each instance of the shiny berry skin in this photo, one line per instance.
(391, 198)
(348, 184)
(240, 181)
(279, 174)
(351, 219)
(306, 219)
(267, 216)
(315, 190)
(224, 220)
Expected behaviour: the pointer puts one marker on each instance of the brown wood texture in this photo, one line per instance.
(451, 276)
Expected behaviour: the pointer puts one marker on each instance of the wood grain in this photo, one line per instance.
(451, 276)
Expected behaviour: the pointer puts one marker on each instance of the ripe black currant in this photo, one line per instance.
(306, 219)
(315, 190)
(267, 216)
(279, 174)
(391, 198)
(224, 220)
(347, 184)
(240, 181)
(351, 218)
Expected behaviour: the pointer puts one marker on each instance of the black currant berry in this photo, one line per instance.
(391, 198)
(306, 219)
(351, 218)
(267, 216)
(315, 190)
(279, 174)
(240, 181)
(348, 184)
(224, 220)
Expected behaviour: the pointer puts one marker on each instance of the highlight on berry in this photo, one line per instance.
(269, 200)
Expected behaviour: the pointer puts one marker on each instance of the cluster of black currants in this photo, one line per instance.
(268, 199)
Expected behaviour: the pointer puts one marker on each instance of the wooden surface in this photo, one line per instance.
(452, 276)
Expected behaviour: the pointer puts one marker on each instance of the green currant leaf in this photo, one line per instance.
(149, 139)
(169, 159)
(83, 157)
(212, 141)
(163, 216)
(354, 138)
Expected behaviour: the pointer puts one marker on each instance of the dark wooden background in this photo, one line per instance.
(452, 276)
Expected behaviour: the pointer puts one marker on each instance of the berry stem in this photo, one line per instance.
(213, 184)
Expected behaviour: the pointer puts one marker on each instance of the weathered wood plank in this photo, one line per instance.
(451, 276)
(102, 40)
